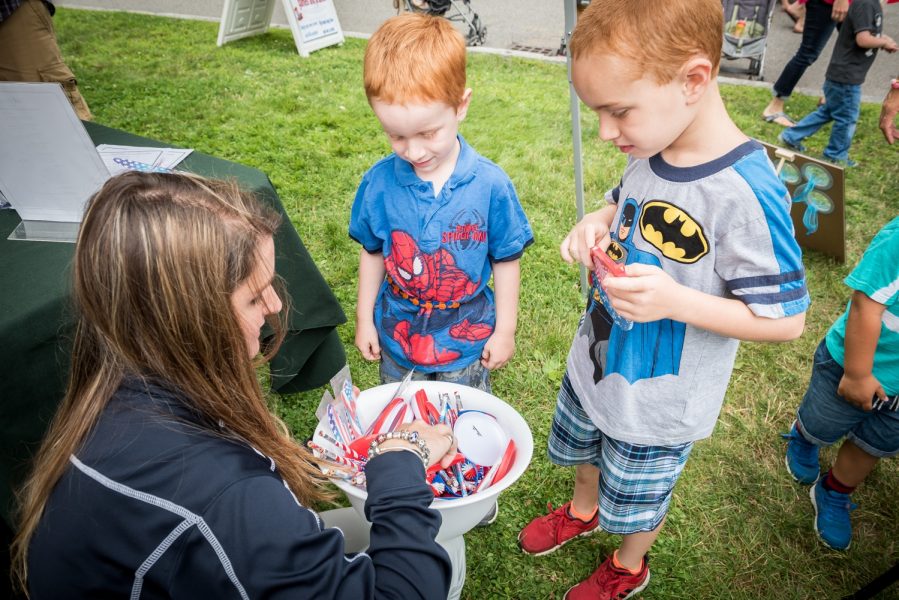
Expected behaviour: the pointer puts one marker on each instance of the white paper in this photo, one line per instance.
(48, 165)
(132, 158)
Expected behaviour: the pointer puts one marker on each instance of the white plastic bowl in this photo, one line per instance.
(459, 514)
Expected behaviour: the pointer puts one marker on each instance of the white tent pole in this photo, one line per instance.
(570, 21)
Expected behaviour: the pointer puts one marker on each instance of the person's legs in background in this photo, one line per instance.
(845, 117)
(29, 52)
(811, 123)
(817, 29)
(796, 11)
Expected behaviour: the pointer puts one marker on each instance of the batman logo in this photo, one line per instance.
(615, 251)
(673, 232)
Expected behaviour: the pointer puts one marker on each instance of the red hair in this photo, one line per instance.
(656, 36)
(415, 57)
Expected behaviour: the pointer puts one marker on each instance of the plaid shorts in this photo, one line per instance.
(635, 483)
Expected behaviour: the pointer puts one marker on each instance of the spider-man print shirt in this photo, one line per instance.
(435, 310)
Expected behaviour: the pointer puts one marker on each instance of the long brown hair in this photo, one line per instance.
(157, 259)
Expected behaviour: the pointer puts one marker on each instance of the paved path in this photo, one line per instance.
(536, 24)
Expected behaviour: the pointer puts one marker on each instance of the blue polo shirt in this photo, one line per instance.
(435, 310)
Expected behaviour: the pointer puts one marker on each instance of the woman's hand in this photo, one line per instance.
(439, 439)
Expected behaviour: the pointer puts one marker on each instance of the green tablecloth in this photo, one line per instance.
(35, 317)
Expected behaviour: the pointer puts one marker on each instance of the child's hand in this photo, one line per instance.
(367, 341)
(498, 350)
(860, 391)
(647, 294)
(889, 44)
(590, 231)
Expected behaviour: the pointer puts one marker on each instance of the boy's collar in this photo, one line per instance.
(668, 171)
(466, 165)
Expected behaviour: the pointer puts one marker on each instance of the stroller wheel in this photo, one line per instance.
(477, 33)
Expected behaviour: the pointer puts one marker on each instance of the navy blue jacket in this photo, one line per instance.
(155, 506)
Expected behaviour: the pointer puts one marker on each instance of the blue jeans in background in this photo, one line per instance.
(816, 32)
(842, 104)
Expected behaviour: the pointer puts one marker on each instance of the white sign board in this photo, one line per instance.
(314, 23)
(244, 18)
(49, 167)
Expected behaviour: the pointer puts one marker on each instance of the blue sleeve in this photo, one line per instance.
(759, 259)
(509, 233)
(361, 226)
(277, 548)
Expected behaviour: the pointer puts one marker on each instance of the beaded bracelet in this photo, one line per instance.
(419, 446)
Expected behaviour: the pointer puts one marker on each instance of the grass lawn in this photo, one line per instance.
(738, 526)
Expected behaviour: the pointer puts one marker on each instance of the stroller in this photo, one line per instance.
(459, 11)
(746, 28)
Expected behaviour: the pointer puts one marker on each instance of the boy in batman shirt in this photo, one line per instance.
(701, 223)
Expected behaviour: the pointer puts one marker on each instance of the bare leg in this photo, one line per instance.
(799, 25)
(777, 106)
(586, 488)
(635, 546)
(853, 464)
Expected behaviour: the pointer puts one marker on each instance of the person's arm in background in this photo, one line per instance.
(501, 346)
(888, 113)
(858, 385)
(371, 276)
(866, 39)
(839, 10)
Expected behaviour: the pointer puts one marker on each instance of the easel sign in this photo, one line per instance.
(313, 23)
(818, 193)
(244, 18)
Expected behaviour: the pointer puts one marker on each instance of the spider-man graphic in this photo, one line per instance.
(421, 348)
(433, 277)
(472, 332)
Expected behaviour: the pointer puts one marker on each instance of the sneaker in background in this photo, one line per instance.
(550, 532)
(801, 457)
(610, 583)
(846, 163)
(832, 516)
(797, 146)
(490, 517)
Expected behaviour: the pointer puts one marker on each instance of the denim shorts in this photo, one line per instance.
(474, 375)
(635, 482)
(825, 417)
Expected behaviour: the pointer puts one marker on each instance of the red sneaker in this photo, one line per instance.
(610, 583)
(550, 532)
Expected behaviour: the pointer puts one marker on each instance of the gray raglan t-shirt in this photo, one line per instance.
(722, 228)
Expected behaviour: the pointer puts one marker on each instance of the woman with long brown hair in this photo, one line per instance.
(163, 473)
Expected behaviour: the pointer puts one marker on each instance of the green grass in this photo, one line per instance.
(738, 527)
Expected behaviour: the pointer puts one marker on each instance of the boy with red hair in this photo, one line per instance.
(434, 219)
(701, 223)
